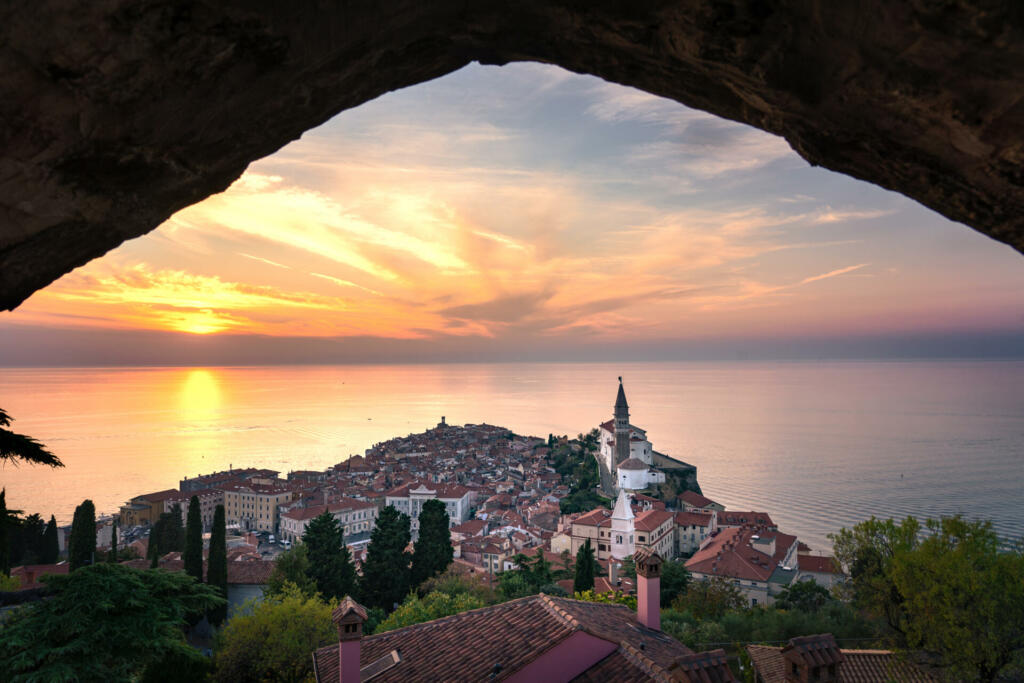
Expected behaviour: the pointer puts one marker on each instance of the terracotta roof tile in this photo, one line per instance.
(859, 666)
(509, 635)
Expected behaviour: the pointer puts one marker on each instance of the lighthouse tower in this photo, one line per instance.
(622, 431)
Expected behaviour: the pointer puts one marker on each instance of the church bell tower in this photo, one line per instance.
(622, 432)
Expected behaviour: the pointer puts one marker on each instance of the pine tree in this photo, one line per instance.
(586, 567)
(217, 570)
(433, 550)
(385, 579)
(5, 557)
(82, 545)
(193, 555)
(112, 557)
(174, 540)
(330, 564)
(51, 545)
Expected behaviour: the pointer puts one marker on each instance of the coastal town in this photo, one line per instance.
(504, 496)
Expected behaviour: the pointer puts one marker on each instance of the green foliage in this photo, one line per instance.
(167, 534)
(675, 578)
(330, 563)
(5, 536)
(123, 620)
(962, 597)
(385, 580)
(82, 544)
(433, 551)
(582, 500)
(112, 553)
(609, 598)
(9, 583)
(710, 599)
(586, 569)
(458, 581)
(866, 553)
(291, 568)
(555, 590)
(174, 667)
(415, 610)
(193, 555)
(272, 640)
(18, 447)
(579, 467)
(51, 546)
(24, 538)
(217, 571)
(514, 584)
(806, 596)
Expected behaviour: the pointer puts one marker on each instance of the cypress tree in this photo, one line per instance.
(5, 542)
(385, 579)
(433, 550)
(174, 540)
(82, 545)
(112, 557)
(217, 570)
(585, 569)
(51, 545)
(193, 555)
(330, 564)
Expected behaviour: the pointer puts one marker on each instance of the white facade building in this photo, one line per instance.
(409, 499)
(623, 543)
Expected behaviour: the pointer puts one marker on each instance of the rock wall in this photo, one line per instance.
(114, 114)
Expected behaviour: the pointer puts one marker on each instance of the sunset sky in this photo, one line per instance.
(523, 211)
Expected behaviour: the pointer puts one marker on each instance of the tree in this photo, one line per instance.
(51, 548)
(112, 555)
(433, 551)
(272, 640)
(193, 555)
(586, 569)
(291, 568)
(962, 597)
(330, 564)
(806, 596)
(385, 580)
(82, 544)
(710, 599)
(675, 578)
(415, 610)
(866, 553)
(15, 447)
(124, 620)
(456, 580)
(217, 569)
(167, 535)
(5, 536)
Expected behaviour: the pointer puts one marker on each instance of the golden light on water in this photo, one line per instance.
(200, 395)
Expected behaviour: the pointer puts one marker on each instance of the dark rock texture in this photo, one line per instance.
(116, 113)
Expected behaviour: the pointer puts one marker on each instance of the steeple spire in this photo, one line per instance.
(622, 431)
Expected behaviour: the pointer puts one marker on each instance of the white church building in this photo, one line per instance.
(625, 450)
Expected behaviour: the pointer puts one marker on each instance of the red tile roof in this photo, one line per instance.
(503, 638)
(819, 564)
(859, 666)
(730, 518)
(649, 520)
(158, 497)
(695, 499)
(693, 518)
(729, 553)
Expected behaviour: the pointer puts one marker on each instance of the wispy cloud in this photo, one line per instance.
(833, 273)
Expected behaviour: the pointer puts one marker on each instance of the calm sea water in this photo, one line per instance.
(817, 445)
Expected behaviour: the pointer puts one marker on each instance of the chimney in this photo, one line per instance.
(648, 588)
(613, 572)
(349, 617)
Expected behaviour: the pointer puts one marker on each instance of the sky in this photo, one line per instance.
(525, 212)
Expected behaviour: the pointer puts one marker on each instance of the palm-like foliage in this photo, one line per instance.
(15, 447)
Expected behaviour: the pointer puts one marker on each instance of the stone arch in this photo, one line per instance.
(114, 115)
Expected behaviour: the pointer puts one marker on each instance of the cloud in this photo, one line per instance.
(832, 273)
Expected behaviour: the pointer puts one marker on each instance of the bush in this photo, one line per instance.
(272, 640)
(436, 605)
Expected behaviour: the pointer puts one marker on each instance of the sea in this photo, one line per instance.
(817, 445)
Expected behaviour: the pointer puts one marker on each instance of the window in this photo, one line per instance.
(796, 670)
(816, 673)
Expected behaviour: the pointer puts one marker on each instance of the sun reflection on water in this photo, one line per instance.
(200, 395)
